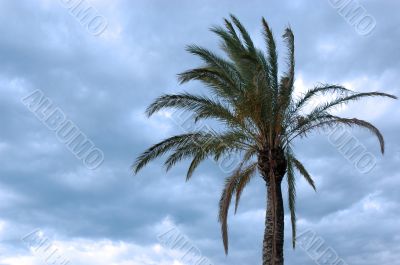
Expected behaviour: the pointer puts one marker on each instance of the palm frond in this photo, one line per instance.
(163, 147)
(247, 174)
(224, 203)
(331, 120)
(273, 77)
(220, 65)
(231, 30)
(323, 89)
(202, 107)
(220, 85)
(288, 79)
(272, 54)
(366, 125)
(303, 172)
(245, 34)
(346, 99)
(286, 84)
(181, 153)
(244, 60)
(210, 144)
(291, 196)
(197, 159)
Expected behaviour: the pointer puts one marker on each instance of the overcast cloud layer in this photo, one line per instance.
(103, 84)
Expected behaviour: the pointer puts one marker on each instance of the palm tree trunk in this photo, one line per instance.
(272, 165)
(274, 225)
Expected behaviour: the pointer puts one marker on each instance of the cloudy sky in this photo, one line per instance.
(103, 71)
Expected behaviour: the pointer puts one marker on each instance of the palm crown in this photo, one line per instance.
(259, 110)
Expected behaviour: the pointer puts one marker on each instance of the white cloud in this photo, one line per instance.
(104, 252)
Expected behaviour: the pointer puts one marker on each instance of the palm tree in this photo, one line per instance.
(261, 118)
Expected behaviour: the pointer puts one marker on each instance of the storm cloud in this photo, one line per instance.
(103, 78)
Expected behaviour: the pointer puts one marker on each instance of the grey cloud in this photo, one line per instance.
(104, 84)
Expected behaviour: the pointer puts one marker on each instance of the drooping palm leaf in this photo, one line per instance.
(291, 196)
